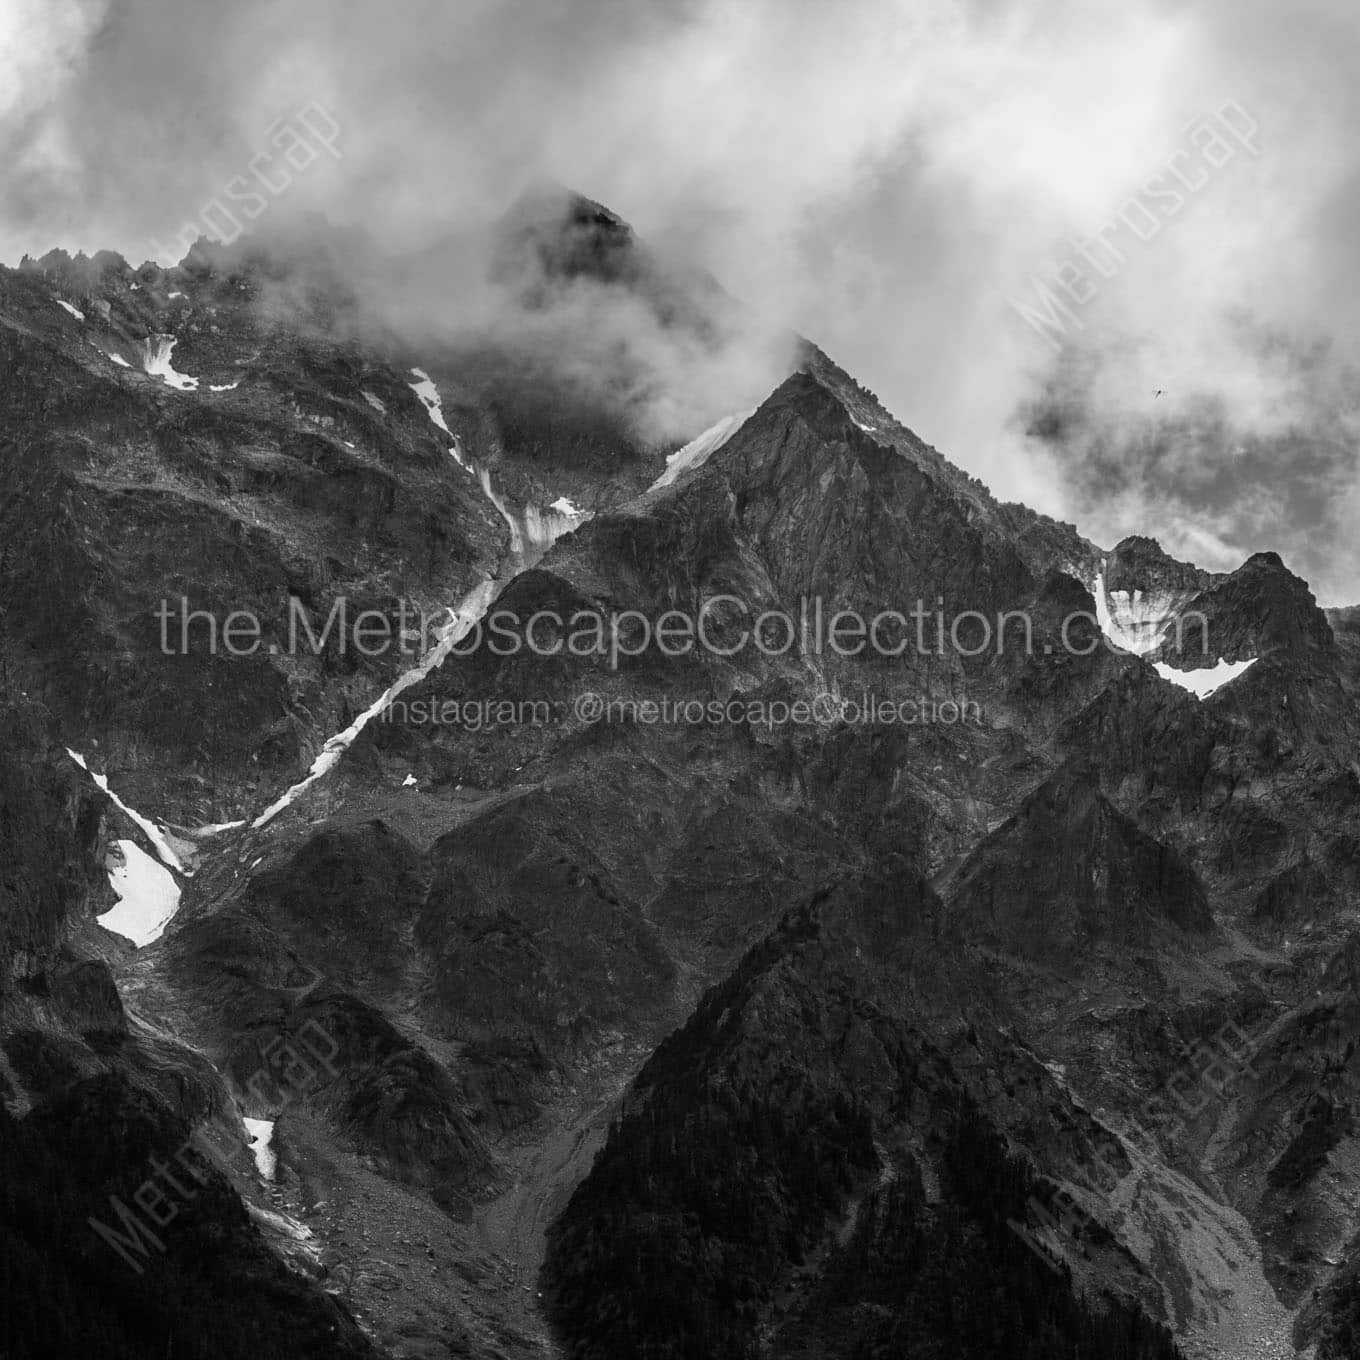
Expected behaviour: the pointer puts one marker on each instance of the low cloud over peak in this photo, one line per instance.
(902, 182)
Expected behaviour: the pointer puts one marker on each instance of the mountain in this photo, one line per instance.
(936, 906)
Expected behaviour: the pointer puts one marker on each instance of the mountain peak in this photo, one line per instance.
(1140, 563)
(553, 232)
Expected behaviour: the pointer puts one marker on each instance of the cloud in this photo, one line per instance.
(41, 44)
(887, 176)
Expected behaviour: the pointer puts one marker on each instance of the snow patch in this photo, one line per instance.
(698, 451)
(75, 311)
(148, 895)
(1208, 679)
(409, 782)
(261, 1133)
(1137, 621)
(120, 361)
(157, 362)
(563, 506)
(430, 399)
(375, 403)
(224, 387)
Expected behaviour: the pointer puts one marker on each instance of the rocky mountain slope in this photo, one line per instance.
(582, 1001)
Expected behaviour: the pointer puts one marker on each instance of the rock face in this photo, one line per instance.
(1192, 619)
(1260, 608)
(1012, 969)
(94, 1105)
(138, 518)
(1068, 872)
(52, 884)
(830, 1151)
(1146, 593)
(1139, 564)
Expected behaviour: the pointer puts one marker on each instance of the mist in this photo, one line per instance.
(898, 181)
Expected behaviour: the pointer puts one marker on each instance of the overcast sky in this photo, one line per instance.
(891, 177)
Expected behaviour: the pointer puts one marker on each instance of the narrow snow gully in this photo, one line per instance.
(433, 403)
(430, 399)
(469, 612)
(154, 834)
(534, 529)
(699, 450)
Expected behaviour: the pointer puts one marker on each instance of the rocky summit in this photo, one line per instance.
(484, 873)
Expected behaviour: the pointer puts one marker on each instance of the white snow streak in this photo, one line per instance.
(698, 451)
(471, 609)
(430, 399)
(214, 829)
(534, 530)
(75, 311)
(531, 534)
(153, 833)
